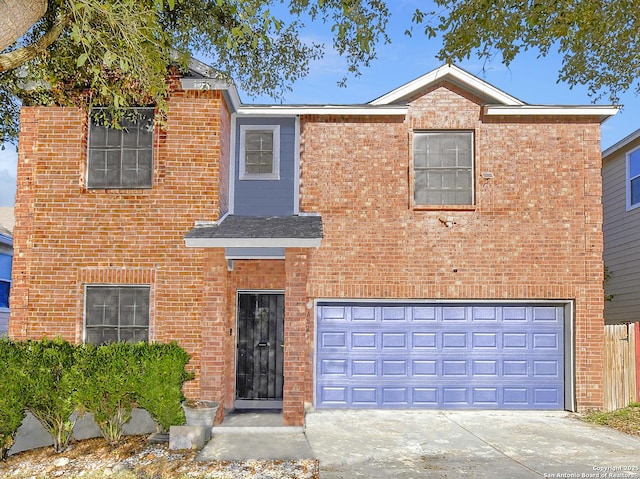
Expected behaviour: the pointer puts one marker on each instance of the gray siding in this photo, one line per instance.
(621, 242)
(4, 321)
(268, 197)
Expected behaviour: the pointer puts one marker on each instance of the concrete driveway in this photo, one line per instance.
(467, 444)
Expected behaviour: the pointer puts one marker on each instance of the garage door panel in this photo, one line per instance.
(364, 396)
(484, 314)
(364, 340)
(394, 340)
(517, 314)
(333, 340)
(454, 341)
(450, 313)
(442, 396)
(394, 313)
(364, 314)
(484, 340)
(424, 340)
(545, 315)
(423, 313)
(484, 368)
(442, 356)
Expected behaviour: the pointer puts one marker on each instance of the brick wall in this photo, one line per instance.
(67, 236)
(534, 233)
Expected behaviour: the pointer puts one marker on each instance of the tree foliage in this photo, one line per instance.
(12, 398)
(116, 53)
(597, 39)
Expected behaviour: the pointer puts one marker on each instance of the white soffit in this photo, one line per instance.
(291, 110)
(455, 75)
(601, 111)
(252, 242)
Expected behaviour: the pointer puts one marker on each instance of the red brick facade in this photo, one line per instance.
(533, 234)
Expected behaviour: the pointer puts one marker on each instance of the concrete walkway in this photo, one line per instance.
(247, 436)
(467, 444)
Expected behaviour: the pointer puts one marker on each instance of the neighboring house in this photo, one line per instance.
(440, 246)
(621, 228)
(6, 257)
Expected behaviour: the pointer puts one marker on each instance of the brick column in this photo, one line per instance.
(213, 330)
(27, 156)
(296, 348)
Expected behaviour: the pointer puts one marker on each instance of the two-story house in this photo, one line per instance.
(621, 203)
(438, 247)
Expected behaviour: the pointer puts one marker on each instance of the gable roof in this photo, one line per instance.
(495, 101)
(453, 74)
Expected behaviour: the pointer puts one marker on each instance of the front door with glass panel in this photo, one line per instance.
(260, 350)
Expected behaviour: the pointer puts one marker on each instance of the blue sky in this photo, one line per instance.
(530, 79)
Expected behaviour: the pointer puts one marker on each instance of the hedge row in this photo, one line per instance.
(52, 379)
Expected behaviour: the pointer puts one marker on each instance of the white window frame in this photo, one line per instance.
(628, 178)
(472, 204)
(275, 172)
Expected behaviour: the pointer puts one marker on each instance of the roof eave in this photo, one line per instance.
(203, 84)
(293, 110)
(252, 242)
(602, 112)
(621, 144)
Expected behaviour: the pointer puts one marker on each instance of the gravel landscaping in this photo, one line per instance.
(135, 459)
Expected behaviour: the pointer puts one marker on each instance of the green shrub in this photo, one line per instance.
(162, 368)
(110, 373)
(52, 381)
(12, 398)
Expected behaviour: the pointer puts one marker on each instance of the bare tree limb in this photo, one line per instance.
(15, 58)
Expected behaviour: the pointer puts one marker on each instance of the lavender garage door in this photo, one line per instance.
(489, 356)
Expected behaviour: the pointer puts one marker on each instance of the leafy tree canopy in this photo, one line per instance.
(598, 40)
(116, 53)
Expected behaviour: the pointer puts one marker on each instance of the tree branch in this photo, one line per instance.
(15, 58)
(18, 16)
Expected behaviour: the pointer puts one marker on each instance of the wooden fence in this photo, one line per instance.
(620, 363)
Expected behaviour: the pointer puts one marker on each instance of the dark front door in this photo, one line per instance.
(260, 350)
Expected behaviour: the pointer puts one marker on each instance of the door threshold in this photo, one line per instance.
(240, 404)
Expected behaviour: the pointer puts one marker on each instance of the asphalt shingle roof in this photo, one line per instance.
(260, 228)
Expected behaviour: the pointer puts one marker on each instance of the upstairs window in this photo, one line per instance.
(121, 158)
(259, 152)
(633, 179)
(443, 168)
(116, 313)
